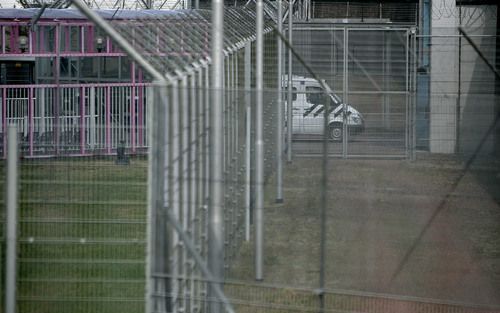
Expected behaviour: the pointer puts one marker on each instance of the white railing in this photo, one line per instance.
(76, 119)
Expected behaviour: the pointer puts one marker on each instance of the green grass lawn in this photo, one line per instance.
(82, 232)
(83, 229)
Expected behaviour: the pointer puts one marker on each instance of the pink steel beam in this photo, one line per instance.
(76, 85)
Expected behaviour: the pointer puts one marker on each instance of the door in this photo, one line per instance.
(314, 113)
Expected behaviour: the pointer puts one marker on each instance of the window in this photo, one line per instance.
(314, 95)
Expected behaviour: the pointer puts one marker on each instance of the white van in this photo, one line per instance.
(308, 110)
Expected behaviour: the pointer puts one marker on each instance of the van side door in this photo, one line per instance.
(314, 112)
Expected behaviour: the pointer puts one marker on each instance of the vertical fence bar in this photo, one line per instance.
(193, 179)
(200, 181)
(185, 191)
(31, 114)
(414, 102)
(57, 102)
(259, 148)
(132, 129)
(206, 173)
(216, 212)
(290, 84)
(408, 95)
(108, 120)
(279, 109)
(4, 120)
(11, 222)
(82, 120)
(248, 138)
(140, 113)
(132, 110)
(92, 117)
(175, 190)
(41, 104)
(346, 92)
(156, 254)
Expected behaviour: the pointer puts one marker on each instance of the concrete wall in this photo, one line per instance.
(461, 86)
(477, 81)
(443, 78)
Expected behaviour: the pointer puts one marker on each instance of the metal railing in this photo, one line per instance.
(79, 119)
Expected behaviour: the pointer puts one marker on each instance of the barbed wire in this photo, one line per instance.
(469, 15)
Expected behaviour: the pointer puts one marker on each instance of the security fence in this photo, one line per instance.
(368, 70)
(183, 187)
(103, 229)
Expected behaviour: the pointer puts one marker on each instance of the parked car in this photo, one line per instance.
(308, 110)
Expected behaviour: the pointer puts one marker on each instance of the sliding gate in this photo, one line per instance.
(369, 70)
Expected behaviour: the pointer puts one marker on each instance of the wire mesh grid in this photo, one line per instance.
(178, 283)
(83, 221)
(368, 69)
(81, 235)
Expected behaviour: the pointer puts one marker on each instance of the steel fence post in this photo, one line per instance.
(259, 148)
(346, 92)
(11, 221)
(279, 108)
(185, 158)
(248, 137)
(290, 84)
(216, 212)
(175, 186)
(157, 255)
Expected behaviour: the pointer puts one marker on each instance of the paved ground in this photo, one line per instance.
(424, 229)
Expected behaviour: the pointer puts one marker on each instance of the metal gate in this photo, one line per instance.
(368, 69)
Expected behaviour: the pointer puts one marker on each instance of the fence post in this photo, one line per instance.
(11, 222)
(279, 108)
(216, 210)
(290, 85)
(248, 138)
(259, 148)
(156, 255)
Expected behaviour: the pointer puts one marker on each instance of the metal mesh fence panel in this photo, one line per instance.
(360, 232)
(81, 235)
(368, 72)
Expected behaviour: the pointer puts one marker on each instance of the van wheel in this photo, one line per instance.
(336, 132)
